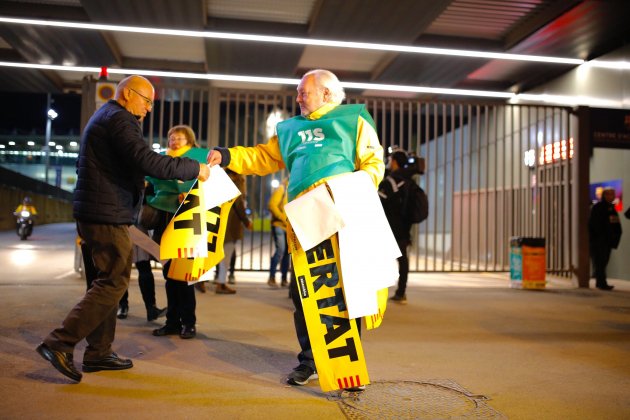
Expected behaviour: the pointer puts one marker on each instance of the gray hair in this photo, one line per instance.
(327, 79)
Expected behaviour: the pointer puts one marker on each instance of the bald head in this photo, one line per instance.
(135, 94)
(328, 80)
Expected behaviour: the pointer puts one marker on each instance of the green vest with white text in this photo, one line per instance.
(317, 149)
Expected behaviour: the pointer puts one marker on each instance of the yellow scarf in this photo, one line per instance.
(179, 152)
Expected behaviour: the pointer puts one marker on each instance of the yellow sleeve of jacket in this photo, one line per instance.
(369, 152)
(262, 159)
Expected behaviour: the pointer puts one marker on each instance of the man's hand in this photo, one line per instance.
(204, 172)
(214, 157)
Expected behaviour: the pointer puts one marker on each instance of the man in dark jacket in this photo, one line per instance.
(392, 190)
(604, 231)
(113, 160)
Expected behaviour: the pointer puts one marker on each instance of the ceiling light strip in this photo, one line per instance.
(296, 41)
(560, 100)
(257, 79)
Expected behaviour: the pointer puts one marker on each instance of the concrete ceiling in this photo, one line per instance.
(567, 28)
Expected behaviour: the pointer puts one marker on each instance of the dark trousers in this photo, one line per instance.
(94, 317)
(181, 302)
(305, 357)
(403, 268)
(232, 262)
(146, 281)
(600, 255)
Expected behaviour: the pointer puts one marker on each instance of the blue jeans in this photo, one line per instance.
(281, 255)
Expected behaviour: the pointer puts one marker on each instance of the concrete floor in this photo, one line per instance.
(561, 353)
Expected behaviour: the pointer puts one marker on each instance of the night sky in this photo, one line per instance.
(25, 113)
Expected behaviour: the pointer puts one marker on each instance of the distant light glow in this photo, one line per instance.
(275, 183)
(52, 114)
(22, 257)
(556, 152)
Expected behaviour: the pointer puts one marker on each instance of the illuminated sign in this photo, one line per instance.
(550, 153)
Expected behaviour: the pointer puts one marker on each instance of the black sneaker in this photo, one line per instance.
(123, 311)
(301, 375)
(399, 299)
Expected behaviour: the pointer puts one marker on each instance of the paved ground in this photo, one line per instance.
(464, 346)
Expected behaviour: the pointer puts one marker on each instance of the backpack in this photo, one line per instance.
(417, 203)
(411, 199)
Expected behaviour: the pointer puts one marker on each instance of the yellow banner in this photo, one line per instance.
(374, 321)
(334, 338)
(192, 269)
(185, 236)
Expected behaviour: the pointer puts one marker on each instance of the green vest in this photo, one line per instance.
(166, 191)
(317, 149)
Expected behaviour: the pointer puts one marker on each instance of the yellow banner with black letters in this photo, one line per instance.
(334, 338)
(193, 240)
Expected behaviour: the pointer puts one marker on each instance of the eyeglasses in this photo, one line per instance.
(147, 100)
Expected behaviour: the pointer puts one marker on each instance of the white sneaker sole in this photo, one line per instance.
(292, 381)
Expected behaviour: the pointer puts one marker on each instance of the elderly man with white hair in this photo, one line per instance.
(326, 140)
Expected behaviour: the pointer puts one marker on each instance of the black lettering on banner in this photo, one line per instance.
(338, 300)
(325, 274)
(323, 251)
(302, 285)
(335, 327)
(214, 227)
(349, 350)
(212, 245)
(190, 202)
(194, 223)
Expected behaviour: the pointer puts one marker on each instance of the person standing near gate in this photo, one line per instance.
(113, 160)
(343, 140)
(604, 231)
(398, 193)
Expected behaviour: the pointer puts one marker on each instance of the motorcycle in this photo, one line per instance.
(24, 224)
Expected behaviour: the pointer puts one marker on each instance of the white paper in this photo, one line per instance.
(219, 188)
(314, 217)
(367, 245)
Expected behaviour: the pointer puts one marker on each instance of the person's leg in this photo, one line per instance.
(403, 270)
(305, 357)
(188, 306)
(278, 235)
(94, 317)
(146, 281)
(222, 268)
(285, 262)
(123, 306)
(173, 315)
(173, 324)
(88, 264)
(231, 277)
(600, 256)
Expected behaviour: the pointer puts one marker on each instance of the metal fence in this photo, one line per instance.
(493, 171)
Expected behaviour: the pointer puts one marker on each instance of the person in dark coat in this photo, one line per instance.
(604, 231)
(114, 159)
(237, 221)
(390, 190)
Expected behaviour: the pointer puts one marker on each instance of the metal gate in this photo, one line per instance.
(493, 171)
